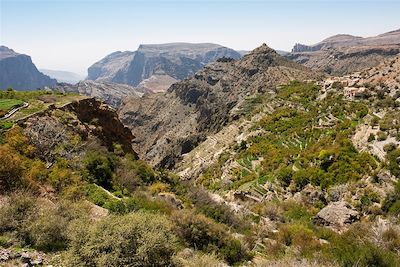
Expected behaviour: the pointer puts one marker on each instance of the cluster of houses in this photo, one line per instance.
(349, 85)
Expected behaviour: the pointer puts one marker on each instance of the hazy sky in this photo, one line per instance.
(72, 35)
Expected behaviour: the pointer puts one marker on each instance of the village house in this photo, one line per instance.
(355, 92)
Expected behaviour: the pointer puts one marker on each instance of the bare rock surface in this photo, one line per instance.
(171, 61)
(337, 215)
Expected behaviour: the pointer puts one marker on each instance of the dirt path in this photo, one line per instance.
(11, 112)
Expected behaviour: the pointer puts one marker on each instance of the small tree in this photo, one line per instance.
(371, 137)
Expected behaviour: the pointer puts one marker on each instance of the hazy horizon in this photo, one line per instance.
(72, 35)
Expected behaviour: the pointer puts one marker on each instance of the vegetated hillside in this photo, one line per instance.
(281, 183)
(111, 93)
(313, 155)
(168, 125)
(73, 193)
(162, 64)
(343, 54)
(18, 72)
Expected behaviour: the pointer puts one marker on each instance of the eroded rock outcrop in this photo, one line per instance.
(65, 131)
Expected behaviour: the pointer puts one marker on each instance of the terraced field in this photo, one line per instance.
(37, 100)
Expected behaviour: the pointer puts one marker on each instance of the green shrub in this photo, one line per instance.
(139, 202)
(97, 195)
(47, 231)
(381, 136)
(116, 206)
(391, 237)
(394, 162)
(350, 253)
(389, 147)
(38, 224)
(371, 137)
(203, 233)
(100, 168)
(19, 208)
(131, 173)
(285, 175)
(298, 236)
(197, 260)
(220, 212)
(296, 212)
(138, 239)
(10, 169)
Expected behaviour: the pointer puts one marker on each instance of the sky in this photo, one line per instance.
(72, 35)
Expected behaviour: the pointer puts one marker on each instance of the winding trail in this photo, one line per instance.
(11, 112)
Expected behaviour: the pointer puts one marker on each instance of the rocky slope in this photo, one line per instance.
(341, 54)
(171, 124)
(51, 130)
(18, 72)
(111, 93)
(163, 63)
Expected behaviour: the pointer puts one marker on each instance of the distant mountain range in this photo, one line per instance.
(19, 72)
(63, 76)
(155, 67)
(343, 53)
(161, 64)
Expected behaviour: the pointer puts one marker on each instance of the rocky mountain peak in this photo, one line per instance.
(263, 49)
(261, 58)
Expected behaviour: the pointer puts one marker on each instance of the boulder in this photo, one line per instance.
(337, 215)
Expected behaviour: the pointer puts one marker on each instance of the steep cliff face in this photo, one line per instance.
(18, 72)
(343, 54)
(111, 68)
(171, 124)
(171, 62)
(68, 130)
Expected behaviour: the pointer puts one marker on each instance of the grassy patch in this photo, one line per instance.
(8, 104)
(38, 100)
